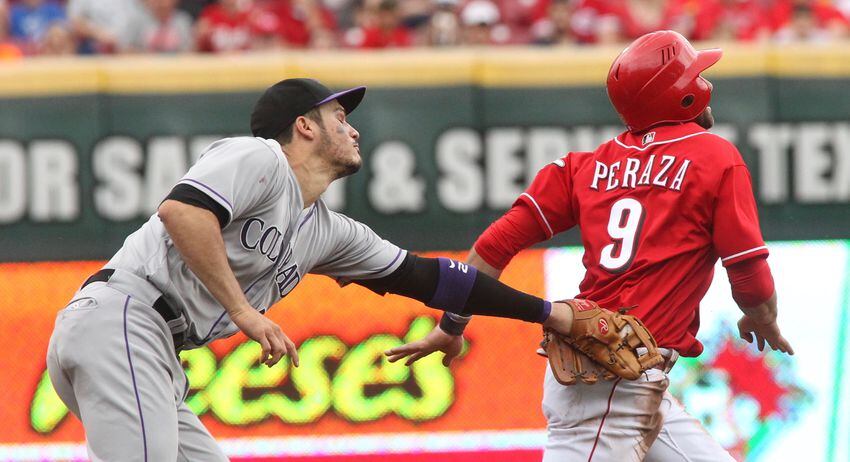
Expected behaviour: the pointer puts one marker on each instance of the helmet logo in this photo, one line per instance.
(648, 138)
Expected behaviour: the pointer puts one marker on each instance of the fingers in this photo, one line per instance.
(397, 356)
(393, 357)
(412, 351)
(291, 350)
(277, 349)
(275, 345)
(415, 357)
(264, 344)
(760, 341)
(770, 335)
(452, 352)
(781, 344)
(787, 347)
(399, 352)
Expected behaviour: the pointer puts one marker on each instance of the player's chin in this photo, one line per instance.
(350, 165)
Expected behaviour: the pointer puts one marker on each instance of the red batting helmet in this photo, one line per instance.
(656, 80)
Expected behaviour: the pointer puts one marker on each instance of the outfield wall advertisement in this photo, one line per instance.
(89, 148)
(345, 399)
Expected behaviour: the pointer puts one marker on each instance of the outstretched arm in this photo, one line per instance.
(460, 289)
(448, 335)
(516, 230)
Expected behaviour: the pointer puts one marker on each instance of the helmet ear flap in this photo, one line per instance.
(688, 100)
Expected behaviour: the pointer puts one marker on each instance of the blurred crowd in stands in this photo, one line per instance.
(64, 27)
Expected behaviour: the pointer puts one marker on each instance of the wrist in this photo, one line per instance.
(453, 324)
(560, 318)
(762, 317)
(762, 314)
(239, 310)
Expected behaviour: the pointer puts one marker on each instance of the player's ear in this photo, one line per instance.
(305, 127)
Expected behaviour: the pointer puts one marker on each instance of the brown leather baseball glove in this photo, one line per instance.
(602, 345)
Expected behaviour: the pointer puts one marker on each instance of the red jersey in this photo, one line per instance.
(655, 211)
(228, 31)
(739, 20)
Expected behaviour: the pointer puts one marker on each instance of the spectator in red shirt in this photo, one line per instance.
(629, 19)
(302, 23)
(520, 16)
(380, 28)
(232, 25)
(808, 21)
(744, 20)
(524, 13)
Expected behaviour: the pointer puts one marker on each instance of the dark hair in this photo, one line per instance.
(285, 136)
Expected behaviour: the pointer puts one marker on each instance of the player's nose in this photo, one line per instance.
(354, 133)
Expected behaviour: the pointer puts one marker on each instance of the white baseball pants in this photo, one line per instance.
(623, 421)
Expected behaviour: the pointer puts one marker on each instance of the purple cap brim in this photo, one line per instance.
(349, 99)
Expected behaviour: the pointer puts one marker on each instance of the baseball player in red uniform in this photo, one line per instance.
(657, 206)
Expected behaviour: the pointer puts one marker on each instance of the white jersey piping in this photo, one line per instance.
(755, 249)
(545, 221)
(616, 140)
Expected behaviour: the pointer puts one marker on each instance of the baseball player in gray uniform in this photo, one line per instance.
(235, 235)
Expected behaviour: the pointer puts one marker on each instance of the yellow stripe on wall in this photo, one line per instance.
(488, 67)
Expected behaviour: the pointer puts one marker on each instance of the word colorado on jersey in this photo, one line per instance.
(635, 172)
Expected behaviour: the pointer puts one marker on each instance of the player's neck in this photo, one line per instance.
(313, 177)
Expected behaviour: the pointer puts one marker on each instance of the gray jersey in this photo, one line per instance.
(271, 240)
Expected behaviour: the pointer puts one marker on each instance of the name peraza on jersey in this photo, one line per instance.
(624, 173)
(656, 211)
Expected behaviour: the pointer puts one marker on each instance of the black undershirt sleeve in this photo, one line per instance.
(192, 196)
(490, 297)
(417, 278)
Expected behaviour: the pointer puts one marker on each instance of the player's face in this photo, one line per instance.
(338, 143)
(706, 119)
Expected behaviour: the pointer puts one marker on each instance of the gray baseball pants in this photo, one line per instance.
(112, 362)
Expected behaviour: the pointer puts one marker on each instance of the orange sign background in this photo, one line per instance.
(497, 383)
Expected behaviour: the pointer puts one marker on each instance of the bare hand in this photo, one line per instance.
(269, 335)
(769, 332)
(436, 340)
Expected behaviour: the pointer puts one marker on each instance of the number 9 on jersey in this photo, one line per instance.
(624, 226)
